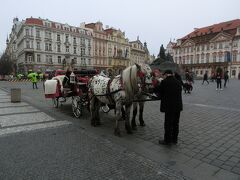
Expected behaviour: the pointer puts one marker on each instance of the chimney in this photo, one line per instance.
(82, 25)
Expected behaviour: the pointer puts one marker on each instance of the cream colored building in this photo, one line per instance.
(139, 52)
(118, 50)
(99, 45)
(41, 44)
(210, 49)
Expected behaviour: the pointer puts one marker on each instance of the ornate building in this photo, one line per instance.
(210, 49)
(118, 50)
(40, 44)
(139, 52)
(99, 45)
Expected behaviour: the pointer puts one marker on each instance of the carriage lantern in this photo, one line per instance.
(72, 78)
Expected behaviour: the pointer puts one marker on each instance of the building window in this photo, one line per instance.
(197, 48)
(27, 32)
(234, 57)
(48, 35)
(38, 46)
(38, 33)
(82, 51)
(30, 58)
(59, 60)
(67, 38)
(214, 57)
(208, 46)
(67, 48)
(220, 45)
(233, 72)
(197, 59)
(235, 44)
(48, 47)
(202, 58)
(82, 41)
(27, 44)
(220, 57)
(207, 58)
(38, 58)
(49, 59)
(89, 51)
(197, 72)
(74, 40)
(215, 46)
(201, 72)
(58, 48)
(74, 50)
(203, 48)
(58, 38)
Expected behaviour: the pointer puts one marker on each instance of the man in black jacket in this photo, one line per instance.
(171, 104)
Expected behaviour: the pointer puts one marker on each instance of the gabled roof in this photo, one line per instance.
(228, 26)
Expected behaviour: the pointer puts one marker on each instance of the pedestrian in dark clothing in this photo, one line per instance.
(178, 77)
(171, 104)
(219, 81)
(205, 78)
(226, 78)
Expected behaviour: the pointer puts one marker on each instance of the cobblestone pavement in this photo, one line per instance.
(209, 126)
(35, 145)
(209, 139)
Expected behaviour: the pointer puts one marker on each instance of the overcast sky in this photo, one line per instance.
(154, 21)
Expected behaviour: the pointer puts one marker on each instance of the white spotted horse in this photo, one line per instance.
(118, 92)
(146, 87)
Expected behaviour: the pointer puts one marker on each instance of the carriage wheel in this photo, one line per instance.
(76, 106)
(105, 108)
(55, 102)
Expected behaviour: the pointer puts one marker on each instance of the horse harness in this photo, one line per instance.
(140, 74)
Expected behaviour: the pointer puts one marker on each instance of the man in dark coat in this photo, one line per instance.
(171, 104)
(205, 78)
(226, 78)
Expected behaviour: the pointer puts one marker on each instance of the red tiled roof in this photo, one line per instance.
(228, 26)
(90, 25)
(109, 31)
(34, 21)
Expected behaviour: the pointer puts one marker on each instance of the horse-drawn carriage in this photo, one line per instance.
(73, 85)
(132, 86)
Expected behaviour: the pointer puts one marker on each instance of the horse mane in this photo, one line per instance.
(130, 81)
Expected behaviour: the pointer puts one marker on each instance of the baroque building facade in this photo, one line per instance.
(139, 52)
(210, 49)
(40, 45)
(118, 48)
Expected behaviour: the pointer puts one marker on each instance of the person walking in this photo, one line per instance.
(170, 91)
(226, 78)
(219, 81)
(205, 78)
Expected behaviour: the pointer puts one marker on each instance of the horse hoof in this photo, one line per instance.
(142, 124)
(129, 132)
(117, 132)
(134, 128)
(98, 124)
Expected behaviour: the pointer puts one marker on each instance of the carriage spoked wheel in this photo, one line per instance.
(76, 106)
(55, 102)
